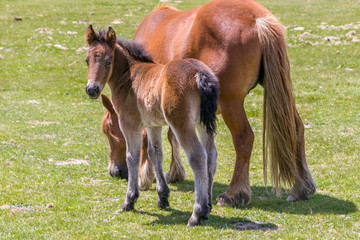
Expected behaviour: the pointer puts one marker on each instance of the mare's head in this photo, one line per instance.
(117, 152)
(99, 58)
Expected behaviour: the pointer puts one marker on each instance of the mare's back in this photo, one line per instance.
(168, 34)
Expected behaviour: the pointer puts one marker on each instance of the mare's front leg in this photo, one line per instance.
(156, 157)
(133, 145)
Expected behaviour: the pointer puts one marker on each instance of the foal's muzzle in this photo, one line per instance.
(93, 91)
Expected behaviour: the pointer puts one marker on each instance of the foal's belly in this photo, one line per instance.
(152, 117)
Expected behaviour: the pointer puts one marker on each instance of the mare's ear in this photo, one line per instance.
(107, 103)
(90, 35)
(110, 37)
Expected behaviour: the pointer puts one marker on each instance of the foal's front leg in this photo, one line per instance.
(133, 145)
(156, 157)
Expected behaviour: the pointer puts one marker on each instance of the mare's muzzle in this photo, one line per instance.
(120, 171)
(93, 91)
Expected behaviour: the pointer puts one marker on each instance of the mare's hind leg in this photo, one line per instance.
(197, 158)
(238, 192)
(156, 157)
(209, 145)
(177, 171)
(133, 142)
(305, 187)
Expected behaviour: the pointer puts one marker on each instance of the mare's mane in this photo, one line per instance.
(164, 6)
(136, 50)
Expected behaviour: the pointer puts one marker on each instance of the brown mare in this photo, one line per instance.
(243, 44)
(117, 152)
(181, 93)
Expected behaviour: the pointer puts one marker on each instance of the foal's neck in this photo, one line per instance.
(120, 72)
(125, 69)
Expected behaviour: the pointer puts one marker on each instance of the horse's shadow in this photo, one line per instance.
(263, 198)
(181, 217)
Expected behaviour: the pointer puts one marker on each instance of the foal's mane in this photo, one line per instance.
(135, 49)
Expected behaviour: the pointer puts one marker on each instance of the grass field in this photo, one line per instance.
(47, 124)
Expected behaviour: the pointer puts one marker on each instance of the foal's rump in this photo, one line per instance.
(193, 86)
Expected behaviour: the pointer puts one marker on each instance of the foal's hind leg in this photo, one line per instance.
(197, 158)
(209, 145)
(156, 157)
(177, 171)
(305, 187)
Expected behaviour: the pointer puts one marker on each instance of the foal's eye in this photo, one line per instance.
(108, 62)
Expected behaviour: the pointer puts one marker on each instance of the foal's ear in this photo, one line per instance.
(90, 35)
(110, 37)
(107, 103)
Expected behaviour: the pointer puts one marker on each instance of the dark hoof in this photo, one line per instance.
(238, 200)
(193, 222)
(204, 218)
(127, 207)
(196, 221)
(163, 198)
(201, 213)
(163, 204)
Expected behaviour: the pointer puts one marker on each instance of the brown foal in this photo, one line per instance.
(181, 93)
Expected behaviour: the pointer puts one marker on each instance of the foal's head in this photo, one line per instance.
(99, 58)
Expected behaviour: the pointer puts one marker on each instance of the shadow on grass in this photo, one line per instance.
(264, 199)
(239, 224)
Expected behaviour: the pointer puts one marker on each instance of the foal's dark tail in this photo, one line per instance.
(208, 85)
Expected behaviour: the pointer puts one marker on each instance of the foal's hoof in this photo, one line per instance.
(127, 207)
(193, 222)
(196, 221)
(204, 218)
(238, 200)
(163, 204)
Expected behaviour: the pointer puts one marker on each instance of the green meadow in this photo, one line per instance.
(53, 158)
